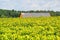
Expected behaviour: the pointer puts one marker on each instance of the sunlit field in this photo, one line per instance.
(42, 28)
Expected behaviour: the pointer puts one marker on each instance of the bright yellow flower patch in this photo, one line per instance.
(42, 28)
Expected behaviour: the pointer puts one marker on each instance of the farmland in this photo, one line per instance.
(42, 28)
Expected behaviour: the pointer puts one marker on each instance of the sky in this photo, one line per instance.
(30, 5)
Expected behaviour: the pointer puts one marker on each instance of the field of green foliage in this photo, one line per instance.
(42, 28)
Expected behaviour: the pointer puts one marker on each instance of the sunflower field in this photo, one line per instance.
(41, 28)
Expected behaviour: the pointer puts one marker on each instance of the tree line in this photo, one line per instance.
(14, 13)
(9, 13)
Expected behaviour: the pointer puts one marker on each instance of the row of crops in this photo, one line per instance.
(42, 28)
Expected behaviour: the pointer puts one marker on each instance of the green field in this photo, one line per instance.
(42, 28)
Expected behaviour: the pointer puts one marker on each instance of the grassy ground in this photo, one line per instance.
(42, 28)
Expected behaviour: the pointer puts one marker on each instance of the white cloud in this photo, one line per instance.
(34, 5)
(30, 4)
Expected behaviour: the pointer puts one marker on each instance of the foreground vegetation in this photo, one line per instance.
(42, 28)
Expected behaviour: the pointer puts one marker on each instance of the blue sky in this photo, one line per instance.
(30, 4)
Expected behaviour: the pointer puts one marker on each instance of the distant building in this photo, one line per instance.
(34, 14)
